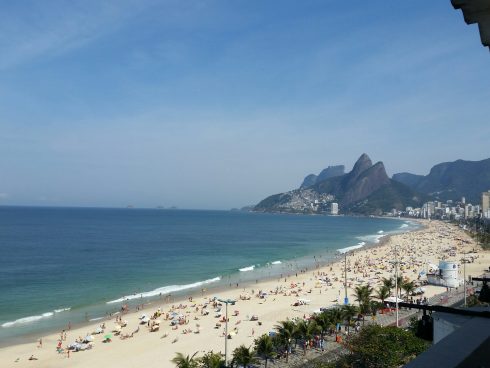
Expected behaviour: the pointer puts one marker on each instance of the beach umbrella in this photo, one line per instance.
(108, 336)
(99, 330)
(88, 338)
(393, 299)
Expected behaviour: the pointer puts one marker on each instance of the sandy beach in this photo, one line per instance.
(199, 318)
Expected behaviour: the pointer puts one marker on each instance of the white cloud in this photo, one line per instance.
(52, 28)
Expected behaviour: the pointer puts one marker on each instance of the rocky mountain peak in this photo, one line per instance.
(363, 163)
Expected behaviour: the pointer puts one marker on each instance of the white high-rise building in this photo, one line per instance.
(485, 204)
(334, 208)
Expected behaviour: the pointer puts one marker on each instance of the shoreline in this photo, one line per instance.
(368, 264)
(309, 262)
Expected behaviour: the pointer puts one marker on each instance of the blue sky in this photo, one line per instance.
(217, 104)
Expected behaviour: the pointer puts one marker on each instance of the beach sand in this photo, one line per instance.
(156, 349)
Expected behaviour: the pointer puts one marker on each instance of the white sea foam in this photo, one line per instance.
(26, 320)
(62, 310)
(374, 238)
(249, 268)
(164, 290)
(276, 262)
(95, 319)
(348, 249)
(403, 226)
(380, 232)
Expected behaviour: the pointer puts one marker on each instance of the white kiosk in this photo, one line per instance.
(445, 275)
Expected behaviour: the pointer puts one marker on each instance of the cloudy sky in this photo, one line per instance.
(217, 104)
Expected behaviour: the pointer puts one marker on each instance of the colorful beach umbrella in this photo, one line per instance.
(108, 336)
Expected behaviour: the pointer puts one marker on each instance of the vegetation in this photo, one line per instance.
(348, 313)
(182, 361)
(211, 360)
(479, 229)
(484, 293)
(383, 292)
(377, 346)
(243, 356)
(264, 346)
(408, 287)
(286, 331)
(388, 282)
(363, 294)
(374, 346)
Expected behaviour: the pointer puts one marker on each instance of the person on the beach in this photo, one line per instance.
(40, 343)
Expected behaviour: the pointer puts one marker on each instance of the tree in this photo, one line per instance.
(305, 331)
(182, 361)
(348, 313)
(374, 306)
(323, 322)
(382, 293)
(388, 283)
(363, 294)
(484, 293)
(377, 346)
(302, 332)
(408, 287)
(243, 356)
(399, 282)
(285, 330)
(265, 348)
(335, 317)
(211, 360)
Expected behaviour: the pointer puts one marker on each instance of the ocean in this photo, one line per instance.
(61, 265)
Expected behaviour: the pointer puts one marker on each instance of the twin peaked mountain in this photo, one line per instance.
(367, 189)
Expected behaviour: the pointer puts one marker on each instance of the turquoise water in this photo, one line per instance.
(75, 264)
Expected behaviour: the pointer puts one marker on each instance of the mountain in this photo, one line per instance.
(308, 181)
(451, 180)
(365, 189)
(329, 172)
(408, 179)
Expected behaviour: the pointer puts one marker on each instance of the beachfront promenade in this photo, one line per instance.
(332, 349)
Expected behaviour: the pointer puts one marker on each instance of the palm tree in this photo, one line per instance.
(323, 322)
(335, 317)
(408, 287)
(374, 306)
(400, 282)
(382, 293)
(305, 331)
(388, 283)
(265, 348)
(211, 360)
(363, 294)
(243, 356)
(285, 330)
(349, 312)
(182, 361)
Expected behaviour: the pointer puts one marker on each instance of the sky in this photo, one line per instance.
(218, 104)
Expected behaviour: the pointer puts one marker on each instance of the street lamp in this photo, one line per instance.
(232, 302)
(396, 283)
(464, 278)
(346, 299)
